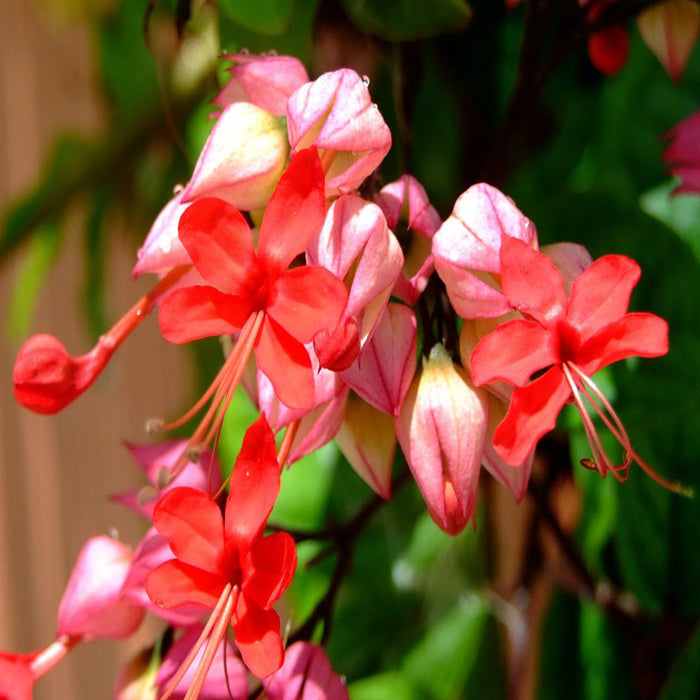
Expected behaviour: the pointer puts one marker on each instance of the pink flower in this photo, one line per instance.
(159, 461)
(93, 605)
(222, 676)
(568, 338)
(266, 81)
(682, 156)
(405, 201)
(335, 113)
(441, 430)
(356, 245)
(305, 675)
(466, 249)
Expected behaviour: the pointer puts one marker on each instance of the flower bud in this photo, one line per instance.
(366, 439)
(93, 605)
(335, 113)
(242, 159)
(442, 431)
(266, 81)
(466, 249)
(46, 378)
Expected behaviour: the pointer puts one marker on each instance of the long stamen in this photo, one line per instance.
(286, 445)
(215, 639)
(614, 424)
(601, 461)
(222, 389)
(184, 666)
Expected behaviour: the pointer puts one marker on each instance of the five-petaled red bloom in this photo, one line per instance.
(297, 303)
(226, 556)
(569, 338)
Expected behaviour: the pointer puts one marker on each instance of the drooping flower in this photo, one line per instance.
(92, 607)
(272, 308)
(306, 675)
(47, 379)
(570, 338)
(682, 156)
(224, 563)
(441, 429)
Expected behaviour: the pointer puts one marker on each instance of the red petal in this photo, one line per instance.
(200, 312)
(193, 525)
(295, 212)
(638, 334)
(16, 677)
(255, 483)
(220, 243)
(513, 352)
(274, 561)
(175, 583)
(257, 637)
(532, 412)
(601, 294)
(308, 299)
(531, 282)
(608, 49)
(285, 362)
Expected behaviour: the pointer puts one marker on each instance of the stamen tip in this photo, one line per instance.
(684, 491)
(154, 425)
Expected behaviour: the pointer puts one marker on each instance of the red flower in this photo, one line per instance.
(285, 307)
(224, 563)
(570, 339)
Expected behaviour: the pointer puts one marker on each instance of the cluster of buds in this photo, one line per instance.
(321, 291)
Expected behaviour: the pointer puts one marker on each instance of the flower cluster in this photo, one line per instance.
(321, 285)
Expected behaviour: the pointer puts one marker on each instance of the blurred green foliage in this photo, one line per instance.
(415, 616)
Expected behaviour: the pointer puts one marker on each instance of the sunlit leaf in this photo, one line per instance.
(38, 259)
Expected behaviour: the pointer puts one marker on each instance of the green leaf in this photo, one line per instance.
(266, 17)
(41, 253)
(684, 680)
(442, 661)
(295, 40)
(406, 20)
(560, 661)
(45, 203)
(386, 685)
(127, 68)
(680, 213)
(605, 657)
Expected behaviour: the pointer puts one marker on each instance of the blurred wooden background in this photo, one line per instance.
(56, 472)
